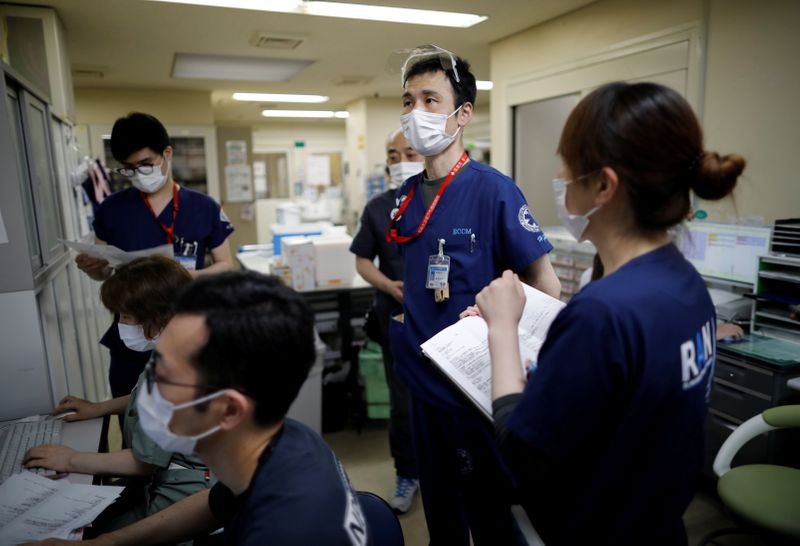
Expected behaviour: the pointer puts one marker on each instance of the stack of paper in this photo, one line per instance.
(33, 507)
(116, 256)
(461, 351)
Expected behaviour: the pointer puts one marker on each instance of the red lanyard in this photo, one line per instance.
(391, 233)
(169, 231)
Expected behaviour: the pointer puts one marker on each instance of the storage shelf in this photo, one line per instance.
(779, 276)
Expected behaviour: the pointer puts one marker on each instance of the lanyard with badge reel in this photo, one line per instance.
(169, 231)
(438, 264)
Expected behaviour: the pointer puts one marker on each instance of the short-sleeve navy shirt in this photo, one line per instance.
(370, 241)
(124, 221)
(619, 398)
(299, 495)
(488, 228)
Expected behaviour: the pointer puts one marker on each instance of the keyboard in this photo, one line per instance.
(17, 438)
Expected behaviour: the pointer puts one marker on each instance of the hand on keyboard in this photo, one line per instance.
(53, 457)
(83, 409)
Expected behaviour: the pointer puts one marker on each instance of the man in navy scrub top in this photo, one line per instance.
(459, 224)
(225, 371)
(387, 277)
(153, 212)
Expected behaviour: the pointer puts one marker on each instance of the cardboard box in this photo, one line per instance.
(336, 265)
(298, 254)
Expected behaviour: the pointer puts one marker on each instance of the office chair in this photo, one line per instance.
(764, 497)
(384, 528)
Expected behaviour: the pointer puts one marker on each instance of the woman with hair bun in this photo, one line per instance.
(605, 436)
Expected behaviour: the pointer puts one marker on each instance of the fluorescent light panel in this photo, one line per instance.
(305, 114)
(484, 85)
(279, 97)
(234, 68)
(348, 11)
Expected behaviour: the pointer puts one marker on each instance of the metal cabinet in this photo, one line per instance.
(746, 384)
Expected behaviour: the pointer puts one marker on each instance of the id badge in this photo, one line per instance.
(438, 271)
(188, 262)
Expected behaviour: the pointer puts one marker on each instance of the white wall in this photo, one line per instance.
(742, 78)
(751, 103)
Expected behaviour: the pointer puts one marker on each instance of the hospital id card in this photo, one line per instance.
(438, 271)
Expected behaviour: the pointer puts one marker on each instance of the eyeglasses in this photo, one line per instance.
(128, 172)
(151, 379)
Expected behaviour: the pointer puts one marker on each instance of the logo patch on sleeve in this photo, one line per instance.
(526, 220)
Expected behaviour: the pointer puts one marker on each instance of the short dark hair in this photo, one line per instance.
(651, 138)
(145, 289)
(137, 131)
(464, 90)
(260, 338)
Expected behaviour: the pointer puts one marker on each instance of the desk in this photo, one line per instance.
(750, 377)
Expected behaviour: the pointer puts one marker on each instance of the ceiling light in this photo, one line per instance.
(484, 85)
(348, 11)
(279, 97)
(235, 68)
(305, 114)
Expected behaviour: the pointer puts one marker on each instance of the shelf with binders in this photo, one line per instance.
(570, 259)
(776, 312)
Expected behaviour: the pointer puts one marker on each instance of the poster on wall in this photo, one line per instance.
(260, 179)
(236, 152)
(318, 170)
(238, 184)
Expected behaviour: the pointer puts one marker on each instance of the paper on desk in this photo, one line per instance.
(33, 507)
(116, 256)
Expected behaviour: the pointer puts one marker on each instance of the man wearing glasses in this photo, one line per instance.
(153, 212)
(226, 369)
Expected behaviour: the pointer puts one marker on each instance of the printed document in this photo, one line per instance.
(116, 256)
(461, 351)
(33, 507)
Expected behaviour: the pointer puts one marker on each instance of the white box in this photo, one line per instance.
(336, 265)
(298, 254)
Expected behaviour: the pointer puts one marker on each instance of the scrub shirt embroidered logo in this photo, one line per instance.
(526, 220)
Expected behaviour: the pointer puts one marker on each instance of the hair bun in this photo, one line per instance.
(717, 175)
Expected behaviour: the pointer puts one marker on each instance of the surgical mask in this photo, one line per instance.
(425, 131)
(576, 224)
(400, 172)
(132, 335)
(155, 414)
(150, 183)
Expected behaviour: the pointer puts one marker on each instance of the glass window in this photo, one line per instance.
(41, 164)
(12, 101)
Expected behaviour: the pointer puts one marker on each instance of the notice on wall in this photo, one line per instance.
(3, 232)
(318, 170)
(236, 152)
(238, 184)
(260, 178)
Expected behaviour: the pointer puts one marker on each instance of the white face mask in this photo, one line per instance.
(426, 131)
(150, 183)
(576, 224)
(132, 335)
(155, 413)
(400, 172)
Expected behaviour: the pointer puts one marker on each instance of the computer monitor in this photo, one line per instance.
(726, 252)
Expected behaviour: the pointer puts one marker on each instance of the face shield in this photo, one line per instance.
(403, 60)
